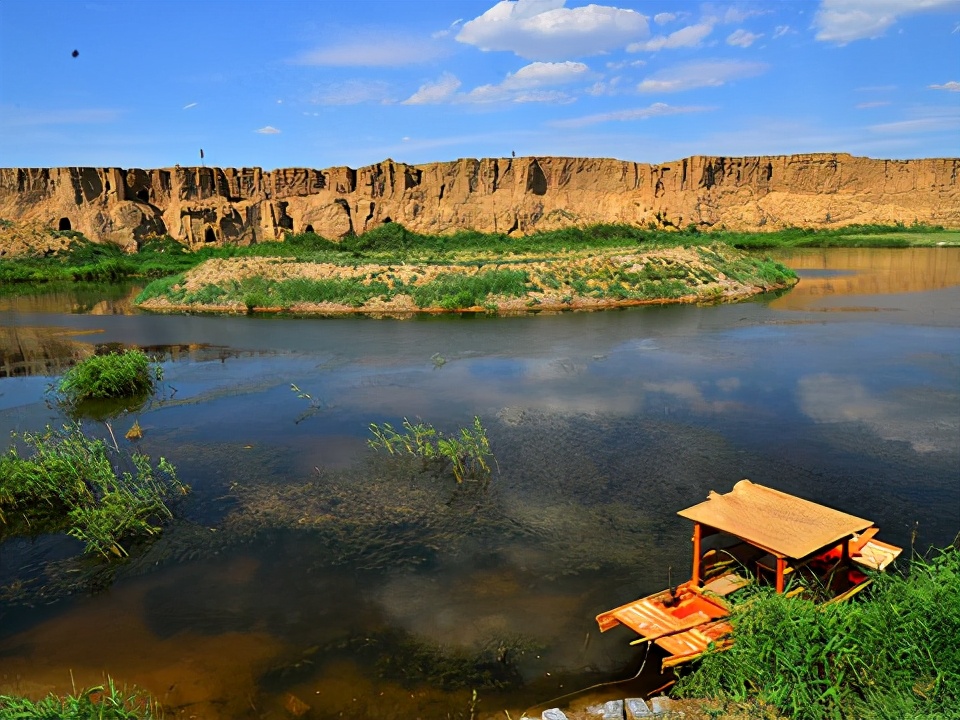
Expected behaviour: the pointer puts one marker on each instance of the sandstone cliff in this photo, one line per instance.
(511, 195)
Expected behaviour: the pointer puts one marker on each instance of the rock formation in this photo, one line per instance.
(198, 205)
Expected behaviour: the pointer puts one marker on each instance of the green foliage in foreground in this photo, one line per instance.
(70, 483)
(452, 291)
(96, 703)
(117, 375)
(890, 655)
(466, 451)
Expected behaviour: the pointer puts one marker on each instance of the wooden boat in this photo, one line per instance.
(757, 534)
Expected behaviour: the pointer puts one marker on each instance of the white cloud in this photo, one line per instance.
(432, 93)
(920, 125)
(654, 110)
(625, 64)
(351, 92)
(742, 38)
(444, 33)
(268, 130)
(689, 36)
(952, 86)
(546, 30)
(700, 74)
(531, 83)
(664, 18)
(189, 105)
(843, 21)
(540, 74)
(780, 30)
(373, 51)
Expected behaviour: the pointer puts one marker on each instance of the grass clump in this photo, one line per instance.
(126, 374)
(104, 702)
(465, 452)
(452, 291)
(70, 483)
(892, 654)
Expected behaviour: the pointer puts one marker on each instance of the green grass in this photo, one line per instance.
(453, 291)
(126, 374)
(73, 483)
(890, 653)
(163, 256)
(105, 702)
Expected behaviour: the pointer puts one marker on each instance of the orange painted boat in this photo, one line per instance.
(756, 534)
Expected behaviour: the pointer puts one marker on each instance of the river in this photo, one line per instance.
(308, 574)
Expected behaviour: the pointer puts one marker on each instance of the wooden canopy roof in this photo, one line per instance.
(782, 524)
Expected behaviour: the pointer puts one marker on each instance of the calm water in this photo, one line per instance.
(305, 566)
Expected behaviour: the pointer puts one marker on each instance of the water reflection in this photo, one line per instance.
(304, 562)
(827, 274)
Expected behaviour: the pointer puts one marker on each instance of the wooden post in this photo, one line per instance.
(781, 568)
(696, 554)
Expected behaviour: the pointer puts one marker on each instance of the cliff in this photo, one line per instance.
(511, 195)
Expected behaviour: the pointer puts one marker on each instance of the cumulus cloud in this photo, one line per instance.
(689, 36)
(546, 30)
(435, 92)
(843, 21)
(664, 18)
(654, 110)
(742, 38)
(952, 86)
(373, 51)
(700, 74)
(268, 130)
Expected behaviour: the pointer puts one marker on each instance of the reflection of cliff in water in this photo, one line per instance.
(26, 351)
(84, 298)
(39, 351)
(866, 271)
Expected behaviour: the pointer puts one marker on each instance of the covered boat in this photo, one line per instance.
(752, 533)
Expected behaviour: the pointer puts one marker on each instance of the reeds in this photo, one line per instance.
(466, 451)
(70, 484)
(893, 653)
(123, 374)
(104, 702)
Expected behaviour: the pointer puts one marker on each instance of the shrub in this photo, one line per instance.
(117, 375)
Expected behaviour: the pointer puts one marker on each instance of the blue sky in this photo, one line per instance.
(292, 83)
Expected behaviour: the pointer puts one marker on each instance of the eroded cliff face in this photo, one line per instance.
(510, 195)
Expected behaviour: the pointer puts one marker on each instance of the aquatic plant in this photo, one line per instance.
(466, 451)
(891, 654)
(103, 702)
(70, 484)
(117, 375)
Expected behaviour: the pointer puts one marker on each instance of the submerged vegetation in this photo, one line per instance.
(70, 484)
(104, 702)
(890, 654)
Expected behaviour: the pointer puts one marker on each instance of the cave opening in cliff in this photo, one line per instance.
(143, 196)
(309, 229)
(209, 236)
(64, 224)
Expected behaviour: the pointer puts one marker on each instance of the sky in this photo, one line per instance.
(322, 83)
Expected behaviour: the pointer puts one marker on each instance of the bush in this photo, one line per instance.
(126, 374)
